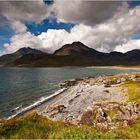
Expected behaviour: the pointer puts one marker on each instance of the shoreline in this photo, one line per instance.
(116, 67)
(80, 94)
(66, 87)
(36, 104)
(94, 96)
(119, 67)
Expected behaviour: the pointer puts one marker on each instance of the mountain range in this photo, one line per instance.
(75, 54)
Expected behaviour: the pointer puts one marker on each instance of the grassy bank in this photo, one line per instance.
(35, 126)
(133, 90)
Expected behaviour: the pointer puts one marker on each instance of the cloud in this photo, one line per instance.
(112, 34)
(24, 11)
(25, 39)
(18, 26)
(20, 12)
(130, 45)
(85, 12)
(51, 40)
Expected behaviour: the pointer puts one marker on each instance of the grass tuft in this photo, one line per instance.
(133, 89)
(34, 126)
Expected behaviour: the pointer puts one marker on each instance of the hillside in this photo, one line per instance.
(10, 59)
(75, 54)
(33, 126)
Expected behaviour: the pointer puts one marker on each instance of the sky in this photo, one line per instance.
(48, 25)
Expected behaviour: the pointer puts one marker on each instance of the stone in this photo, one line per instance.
(137, 107)
(69, 118)
(86, 118)
(119, 116)
(130, 122)
(127, 114)
(107, 91)
(100, 119)
(132, 77)
(125, 123)
(56, 108)
(122, 79)
(103, 126)
(109, 120)
(71, 100)
(118, 81)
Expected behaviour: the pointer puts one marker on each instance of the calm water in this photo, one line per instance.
(24, 86)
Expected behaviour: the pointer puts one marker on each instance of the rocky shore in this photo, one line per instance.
(100, 101)
(110, 115)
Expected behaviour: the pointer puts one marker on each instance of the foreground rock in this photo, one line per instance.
(110, 115)
(71, 103)
(97, 101)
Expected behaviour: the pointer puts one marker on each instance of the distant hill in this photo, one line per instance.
(10, 59)
(75, 54)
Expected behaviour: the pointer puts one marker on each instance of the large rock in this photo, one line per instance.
(86, 117)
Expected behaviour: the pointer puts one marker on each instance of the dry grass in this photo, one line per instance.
(133, 89)
(34, 126)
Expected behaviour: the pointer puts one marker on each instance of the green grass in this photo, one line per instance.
(34, 126)
(133, 88)
(111, 113)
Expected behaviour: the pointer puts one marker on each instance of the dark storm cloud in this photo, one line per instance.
(24, 10)
(86, 12)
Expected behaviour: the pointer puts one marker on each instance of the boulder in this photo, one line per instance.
(109, 120)
(100, 119)
(123, 79)
(56, 108)
(86, 118)
(132, 77)
(107, 84)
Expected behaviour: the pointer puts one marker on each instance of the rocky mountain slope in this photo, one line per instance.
(75, 54)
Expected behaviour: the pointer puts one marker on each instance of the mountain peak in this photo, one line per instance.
(78, 43)
(75, 48)
(133, 51)
(28, 50)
